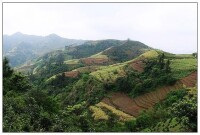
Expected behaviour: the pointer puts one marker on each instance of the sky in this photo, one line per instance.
(171, 27)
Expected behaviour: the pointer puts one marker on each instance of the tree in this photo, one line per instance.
(60, 59)
(194, 54)
(7, 71)
(167, 67)
(186, 111)
(161, 61)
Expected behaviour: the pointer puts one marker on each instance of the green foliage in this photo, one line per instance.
(174, 96)
(13, 81)
(42, 99)
(61, 81)
(60, 59)
(157, 72)
(7, 71)
(186, 111)
(84, 88)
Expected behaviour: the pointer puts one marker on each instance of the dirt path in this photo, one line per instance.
(134, 106)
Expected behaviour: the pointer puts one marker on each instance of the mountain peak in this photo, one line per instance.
(53, 35)
(17, 34)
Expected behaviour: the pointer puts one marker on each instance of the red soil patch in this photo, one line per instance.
(150, 98)
(123, 102)
(108, 101)
(93, 61)
(142, 102)
(137, 65)
(134, 106)
(72, 74)
(190, 81)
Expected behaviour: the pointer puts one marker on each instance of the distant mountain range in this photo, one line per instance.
(20, 48)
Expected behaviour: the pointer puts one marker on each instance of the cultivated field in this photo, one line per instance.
(134, 106)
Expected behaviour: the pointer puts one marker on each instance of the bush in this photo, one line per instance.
(137, 90)
(174, 96)
(186, 111)
(144, 120)
(131, 125)
(171, 81)
(148, 83)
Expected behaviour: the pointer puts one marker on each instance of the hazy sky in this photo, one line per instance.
(171, 27)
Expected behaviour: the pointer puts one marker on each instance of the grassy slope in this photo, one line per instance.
(183, 67)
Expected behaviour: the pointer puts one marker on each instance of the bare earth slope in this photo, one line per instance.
(134, 106)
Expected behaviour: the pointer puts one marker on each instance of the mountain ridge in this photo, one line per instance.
(39, 44)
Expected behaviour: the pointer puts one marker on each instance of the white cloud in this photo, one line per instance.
(171, 27)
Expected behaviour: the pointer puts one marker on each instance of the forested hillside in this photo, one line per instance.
(102, 86)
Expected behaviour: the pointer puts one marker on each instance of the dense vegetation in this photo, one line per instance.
(46, 100)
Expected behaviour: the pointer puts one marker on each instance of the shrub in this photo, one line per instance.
(98, 114)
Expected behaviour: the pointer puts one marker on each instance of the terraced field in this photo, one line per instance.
(72, 62)
(94, 61)
(134, 106)
(101, 111)
(87, 69)
(72, 74)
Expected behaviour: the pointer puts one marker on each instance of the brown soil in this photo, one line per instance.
(72, 74)
(137, 65)
(190, 80)
(134, 106)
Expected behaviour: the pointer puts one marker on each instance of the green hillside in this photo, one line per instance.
(126, 51)
(102, 86)
(92, 47)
